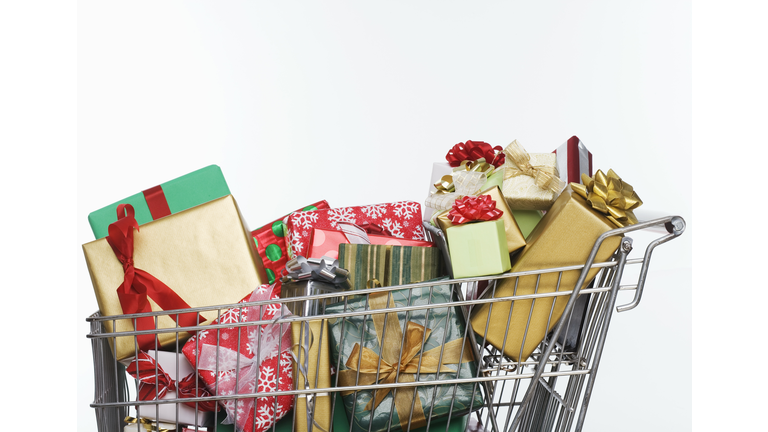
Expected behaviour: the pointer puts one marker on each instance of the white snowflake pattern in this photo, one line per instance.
(264, 416)
(418, 233)
(263, 288)
(304, 219)
(285, 361)
(406, 209)
(266, 380)
(272, 310)
(232, 316)
(252, 342)
(394, 227)
(344, 214)
(297, 244)
(374, 211)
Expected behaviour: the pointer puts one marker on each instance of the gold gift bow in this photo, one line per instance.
(611, 195)
(149, 425)
(518, 162)
(446, 183)
(393, 361)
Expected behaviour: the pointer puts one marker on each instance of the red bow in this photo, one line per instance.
(474, 208)
(372, 228)
(138, 285)
(474, 150)
(152, 377)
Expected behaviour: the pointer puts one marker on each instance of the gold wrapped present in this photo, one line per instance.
(531, 181)
(564, 237)
(310, 346)
(202, 256)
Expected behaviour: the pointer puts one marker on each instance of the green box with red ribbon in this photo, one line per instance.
(187, 191)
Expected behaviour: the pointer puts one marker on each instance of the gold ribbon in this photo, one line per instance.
(518, 162)
(446, 183)
(397, 366)
(611, 195)
(149, 425)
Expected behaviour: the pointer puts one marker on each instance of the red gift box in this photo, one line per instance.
(270, 242)
(573, 159)
(261, 363)
(325, 242)
(402, 219)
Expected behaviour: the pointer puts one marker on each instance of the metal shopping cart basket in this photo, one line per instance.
(549, 390)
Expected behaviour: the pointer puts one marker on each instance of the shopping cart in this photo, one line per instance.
(547, 391)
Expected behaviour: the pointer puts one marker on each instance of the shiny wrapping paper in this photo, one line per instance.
(381, 335)
(390, 265)
(458, 423)
(314, 365)
(402, 219)
(564, 237)
(270, 243)
(204, 254)
(522, 191)
(325, 242)
(512, 231)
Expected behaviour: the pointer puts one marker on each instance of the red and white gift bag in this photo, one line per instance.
(402, 219)
(262, 362)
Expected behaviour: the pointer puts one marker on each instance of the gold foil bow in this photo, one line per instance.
(148, 424)
(611, 195)
(480, 166)
(397, 366)
(518, 162)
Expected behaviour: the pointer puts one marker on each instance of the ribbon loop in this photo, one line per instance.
(474, 208)
(474, 150)
(611, 195)
(325, 269)
(518, 162)
(138, 285)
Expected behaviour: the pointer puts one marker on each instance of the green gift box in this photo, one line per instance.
(527, 220)
(390, 265)
(193, 189)
(425, 336)
(476, 248)
(457, 424)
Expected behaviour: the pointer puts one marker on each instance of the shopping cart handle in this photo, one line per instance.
(675, 226)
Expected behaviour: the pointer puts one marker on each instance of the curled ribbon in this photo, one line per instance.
(138, 285)
(474, 208)
(474, 150)
(151, 377)
(519, 163)
(397, 365)
(323, 269)
(467, 178)
(611, 195)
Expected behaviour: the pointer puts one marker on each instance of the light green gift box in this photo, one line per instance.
(476, 248)
(527, 220)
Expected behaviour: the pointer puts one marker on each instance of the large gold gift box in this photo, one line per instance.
(564, 237)
(204, 254)
(313, 357)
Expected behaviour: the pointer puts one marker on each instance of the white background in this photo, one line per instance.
(352, 103)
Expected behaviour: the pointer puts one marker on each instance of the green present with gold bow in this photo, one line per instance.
(425, 338)
(565, 236)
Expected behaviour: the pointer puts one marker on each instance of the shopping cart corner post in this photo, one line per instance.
(624, 250)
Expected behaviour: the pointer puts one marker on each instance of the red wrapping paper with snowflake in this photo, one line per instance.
(402, 219)
(271, 246)
(261, 363)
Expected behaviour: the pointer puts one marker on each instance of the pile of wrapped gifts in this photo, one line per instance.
(183, 247)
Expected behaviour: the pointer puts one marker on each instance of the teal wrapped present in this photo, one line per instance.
(431, 335)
